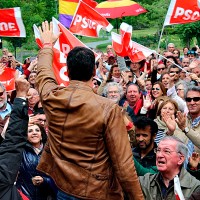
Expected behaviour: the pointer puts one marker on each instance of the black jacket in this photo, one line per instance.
(27, 171)
(11, 150)
(147, 161)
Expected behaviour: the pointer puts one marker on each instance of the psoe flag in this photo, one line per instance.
(11, 24)
(88, 22)
(182, 12)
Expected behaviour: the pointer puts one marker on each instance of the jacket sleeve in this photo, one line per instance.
(13, 145)
(194, 136)
(45, 80)
(119, 150)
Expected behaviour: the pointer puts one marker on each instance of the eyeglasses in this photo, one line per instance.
(186, 62)
(10, 56)
(130, 76)
(161, 69)
(176, 72)
(191, 52)
(1, 93)
(179, 89)
(156, 89)
(195, 99)
(164, 151)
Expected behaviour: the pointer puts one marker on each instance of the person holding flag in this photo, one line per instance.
(172, 181)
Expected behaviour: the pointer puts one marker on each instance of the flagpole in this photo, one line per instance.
(158, 50)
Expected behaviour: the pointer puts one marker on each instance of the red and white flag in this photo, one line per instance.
(11, 24)
(7, 78)
(61, 48)
(88, 22)
(182, 12)
(177, 189)
(124, 46)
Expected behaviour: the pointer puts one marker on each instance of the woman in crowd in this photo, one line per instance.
(165, 120)
(165, 79)
(34, 184)
(114, 74)
(181, 89)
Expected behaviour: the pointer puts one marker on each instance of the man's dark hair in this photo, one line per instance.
(81, 64)
(142, 122)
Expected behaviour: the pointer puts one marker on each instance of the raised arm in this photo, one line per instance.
(15, 139)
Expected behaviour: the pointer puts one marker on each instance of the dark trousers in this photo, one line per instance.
(63, 196)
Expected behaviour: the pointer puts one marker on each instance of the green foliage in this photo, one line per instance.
(33, 12)
(36, 11)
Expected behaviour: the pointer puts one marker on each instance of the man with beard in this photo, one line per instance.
(145, 133)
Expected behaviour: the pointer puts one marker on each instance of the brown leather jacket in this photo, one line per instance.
(88, 153)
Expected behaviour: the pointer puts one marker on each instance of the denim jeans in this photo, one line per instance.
(63, 196)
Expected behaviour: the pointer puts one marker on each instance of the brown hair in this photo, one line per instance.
(110, 72)
(162, 87)
(168, 100)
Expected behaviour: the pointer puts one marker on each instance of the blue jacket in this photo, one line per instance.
(27, 171)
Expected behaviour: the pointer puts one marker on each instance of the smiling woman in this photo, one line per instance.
(31, 182)
(165, 120)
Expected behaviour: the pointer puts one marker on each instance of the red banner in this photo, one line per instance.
(11, 24)
(88, 22)
(124, 46)
(63, 45)
(182, 12)
(7, 78)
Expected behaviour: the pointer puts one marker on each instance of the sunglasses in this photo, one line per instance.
(195, 99)
(1, 93)
(191, 52)
(156, 89)
(176, 72)
(161, 69)
(9, 56)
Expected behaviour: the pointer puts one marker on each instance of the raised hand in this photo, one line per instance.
(2, 68)
(194, 160)
(147, 101)
(46, 33)
(170, 122)
(181, 120)
(124, 76)
(22, 87)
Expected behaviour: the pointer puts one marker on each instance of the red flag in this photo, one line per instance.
(88, 22)
(61, 48)
(7, 78)
(124, 46)
(177, 189)
(11, 24)
(182, 12)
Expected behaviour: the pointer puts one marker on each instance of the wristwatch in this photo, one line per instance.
(186, 130)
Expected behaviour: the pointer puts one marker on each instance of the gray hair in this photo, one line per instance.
(171, 44)
(185, 86)
(106, 88)
(192, 88)
(2, 86)
(180, 146)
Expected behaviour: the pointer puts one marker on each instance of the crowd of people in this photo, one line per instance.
(122, 129)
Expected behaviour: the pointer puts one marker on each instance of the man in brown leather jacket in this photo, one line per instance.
(88, 153)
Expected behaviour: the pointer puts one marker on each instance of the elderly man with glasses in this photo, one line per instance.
(170, 156)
